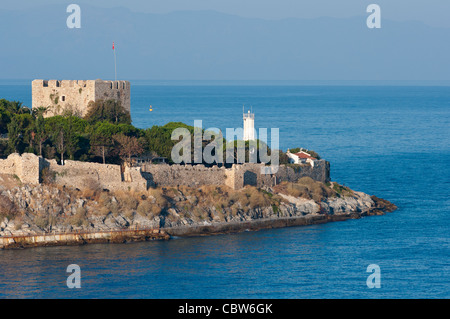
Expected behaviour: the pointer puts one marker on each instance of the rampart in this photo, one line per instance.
(94, 175)
(29, 168)
(235, 177)
(26, 167)
(58, 96)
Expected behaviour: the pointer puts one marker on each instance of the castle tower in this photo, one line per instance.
(249, 126)
(58, 96)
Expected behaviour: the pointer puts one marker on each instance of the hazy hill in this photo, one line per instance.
(210, 45)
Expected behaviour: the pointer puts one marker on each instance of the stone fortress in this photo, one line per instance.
(29, 168)
(58, 96)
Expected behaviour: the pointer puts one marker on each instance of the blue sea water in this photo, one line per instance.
(389, 141)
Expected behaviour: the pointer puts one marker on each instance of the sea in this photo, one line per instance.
(392, 141)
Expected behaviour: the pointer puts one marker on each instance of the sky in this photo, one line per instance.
(292, 40)
(431, 12)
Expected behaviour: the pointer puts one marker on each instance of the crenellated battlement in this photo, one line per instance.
(60, 95)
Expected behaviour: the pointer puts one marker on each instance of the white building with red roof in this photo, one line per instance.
(300, 158)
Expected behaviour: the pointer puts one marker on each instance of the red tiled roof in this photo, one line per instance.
(303, 155)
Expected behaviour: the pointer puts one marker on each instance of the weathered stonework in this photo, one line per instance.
(29, 167)
(236, 177)
(58, 96)
(186, 175)
(25, 167)
(94, 175)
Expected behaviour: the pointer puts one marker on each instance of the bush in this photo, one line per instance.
(159, 197)
(47, 176)
(79, 218)
(42, 221)
(342, 190)
(306, 188)
(7, 207)
(144, 208)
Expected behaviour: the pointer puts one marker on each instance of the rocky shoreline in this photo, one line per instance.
(45, 210)
(380, 207)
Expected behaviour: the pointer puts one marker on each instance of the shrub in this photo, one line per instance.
(258, 199)
(92, 184)
(306, 188)
(41, 221)
(7, 207)
(129, 202)
(80, 217)
(103, 211)
(48, 176)
(144, 208)
(113, 208)
(159, 197)
(342, 190)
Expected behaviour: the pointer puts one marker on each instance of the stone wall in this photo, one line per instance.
(187, 175)
(113, 90)
(94, 175)
(236, 177)
(320, 172)
(58, 96)
(26, 167)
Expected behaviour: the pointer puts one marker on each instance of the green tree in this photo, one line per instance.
(101, 139)
(128, 146)
(14, 135)
(5, 119)
(60, 142)
(109, 110)
(41, 134)
(14, 107)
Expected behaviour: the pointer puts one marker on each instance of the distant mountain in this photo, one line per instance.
(201, 45)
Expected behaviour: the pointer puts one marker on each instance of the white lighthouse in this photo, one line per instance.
(249, 126)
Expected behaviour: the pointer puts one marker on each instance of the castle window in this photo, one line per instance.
(57, 84)
(63, 98)
(45, 84)
(117, 85)
(111, 85)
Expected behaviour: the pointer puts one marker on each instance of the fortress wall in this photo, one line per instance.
(174, 175)
(9, 165)
(91, 175)
(291, 173)
(26, 167)
(236, 177)
(58, 96)
(113, 90)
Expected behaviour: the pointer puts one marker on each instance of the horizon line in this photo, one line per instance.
(138, 82)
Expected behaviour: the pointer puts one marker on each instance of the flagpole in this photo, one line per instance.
(115, 65)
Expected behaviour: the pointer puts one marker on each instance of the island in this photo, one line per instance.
(71, 175)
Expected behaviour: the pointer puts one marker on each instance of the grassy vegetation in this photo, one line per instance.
(193, 203)
(205, 203)
(342, 191)
(7, 208)
(308, 188)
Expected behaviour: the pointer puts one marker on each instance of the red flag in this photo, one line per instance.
(113, 45)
